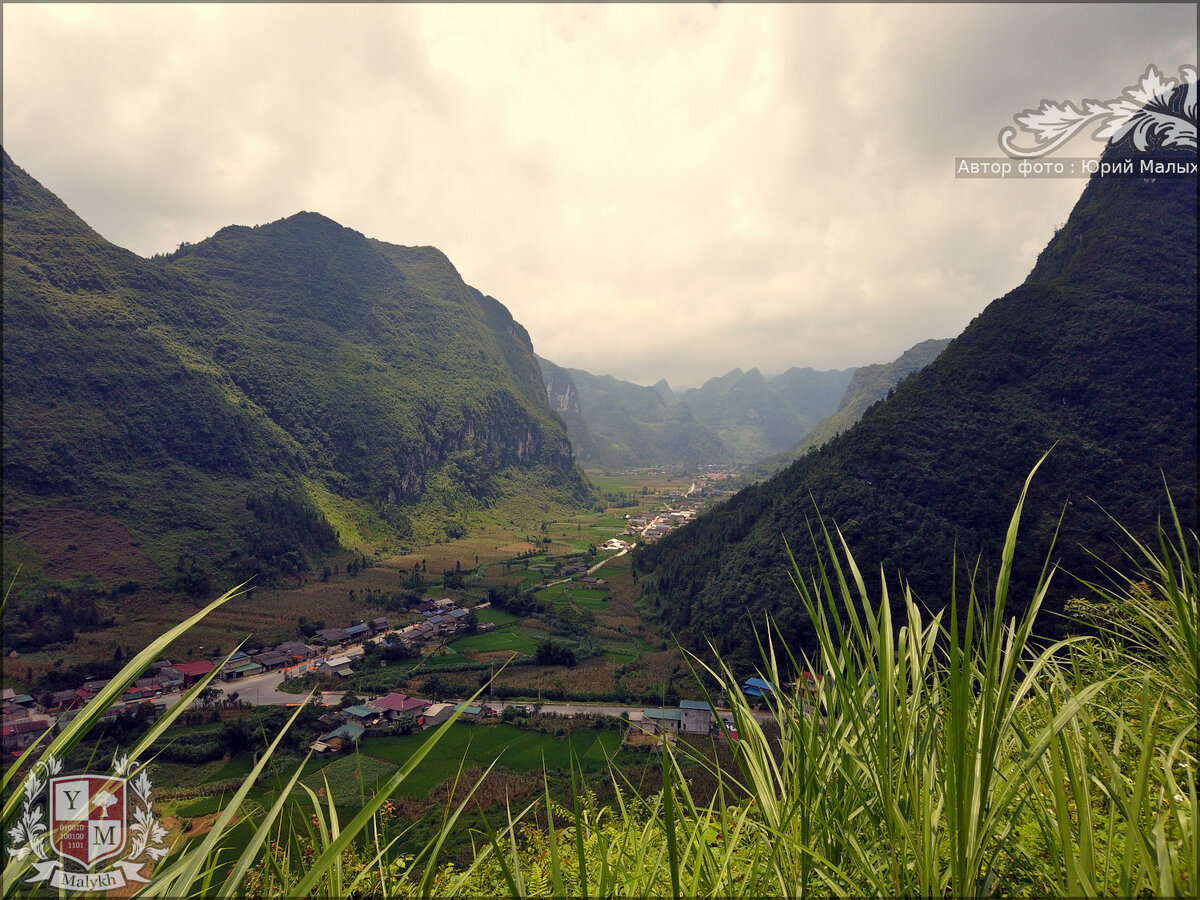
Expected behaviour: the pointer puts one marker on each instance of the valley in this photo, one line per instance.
(620, 653)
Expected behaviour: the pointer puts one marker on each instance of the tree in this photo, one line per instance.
(104, 799)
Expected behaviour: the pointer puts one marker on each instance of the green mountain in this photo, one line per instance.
(618, 424)
(251, 401)
(868, 385)
(1093, 356)
(756, 416)
(738, 417)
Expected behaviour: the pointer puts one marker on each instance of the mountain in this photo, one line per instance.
(868, 385)
(756, 416)
(251, 401)
(1092, 358)
(738, 417)
(618, 424)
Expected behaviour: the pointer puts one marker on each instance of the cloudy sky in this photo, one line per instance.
(653, 191)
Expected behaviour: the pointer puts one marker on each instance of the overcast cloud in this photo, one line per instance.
(653, 191)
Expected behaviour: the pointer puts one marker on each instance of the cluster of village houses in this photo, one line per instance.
(381, 714)
(650, 526)
(25, 717)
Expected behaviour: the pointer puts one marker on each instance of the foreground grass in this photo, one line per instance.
(947, 755)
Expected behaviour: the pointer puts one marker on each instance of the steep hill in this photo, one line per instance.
(1094, 355)
(249, 401)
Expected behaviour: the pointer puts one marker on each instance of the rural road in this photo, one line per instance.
(263, 690)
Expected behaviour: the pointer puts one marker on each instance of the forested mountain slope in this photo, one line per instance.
(240, 402)
(868, 385)
(1094, 355)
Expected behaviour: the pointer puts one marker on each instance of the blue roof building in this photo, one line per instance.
(756, 687)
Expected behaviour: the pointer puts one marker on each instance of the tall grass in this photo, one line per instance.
(950, 754)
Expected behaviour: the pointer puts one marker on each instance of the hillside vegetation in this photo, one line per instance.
(251, 402)
(952, 755)
(1094, 355)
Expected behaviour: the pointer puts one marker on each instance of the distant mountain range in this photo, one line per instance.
(1092, 358)
(732, 420)
(252, 401)
(736, 419)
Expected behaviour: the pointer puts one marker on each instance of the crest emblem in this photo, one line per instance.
(102, 823)
(87, 818)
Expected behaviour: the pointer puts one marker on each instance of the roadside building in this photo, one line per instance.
(437, 714)
(660, 721)
(333, 637)
(191, 671)
(234, 671)
(395, 705)
(296, 651)
(339, 665)
(695, 717)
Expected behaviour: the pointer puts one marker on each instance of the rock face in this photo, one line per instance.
(297, 359)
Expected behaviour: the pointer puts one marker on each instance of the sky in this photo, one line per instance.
(653, 191)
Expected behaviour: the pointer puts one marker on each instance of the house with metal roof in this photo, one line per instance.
(695, 717)
(395, 705)
(756, 687)
(659, 721)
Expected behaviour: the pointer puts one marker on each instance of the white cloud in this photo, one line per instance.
(654, 191)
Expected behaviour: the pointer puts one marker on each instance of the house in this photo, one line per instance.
(336, 664)
(343, 734)
(695, 717)
(332, 637)
(191, 671)
(7, 694)
(460, 615)
(358, 632)
(757, 688)
(810, 681)
(437, 714)
(395, 705)
(445, 604)
(660, 721)
(62, 701)
(240, 670)
(380, 624)
(296, 650)
(20, 735)
(272, 660)
(469, 709)
(366, 715)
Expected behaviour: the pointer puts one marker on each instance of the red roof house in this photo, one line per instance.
(193, 670)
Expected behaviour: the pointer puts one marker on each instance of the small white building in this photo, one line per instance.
(437, 714)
